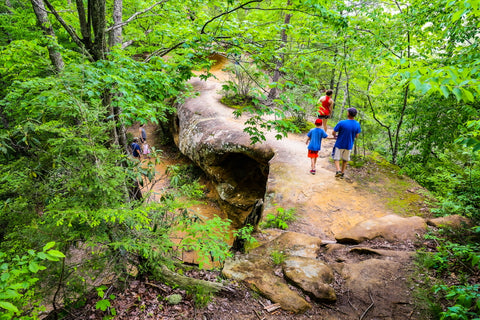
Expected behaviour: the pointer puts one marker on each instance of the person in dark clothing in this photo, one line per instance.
(136, 151)
(143, 133)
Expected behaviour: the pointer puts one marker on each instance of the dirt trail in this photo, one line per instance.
(325, 205)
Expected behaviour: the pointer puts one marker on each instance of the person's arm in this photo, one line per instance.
(308, 141)
(334, 134)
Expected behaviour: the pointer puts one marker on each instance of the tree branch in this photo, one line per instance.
(165, 51)
(375, 116)
(381, 42)
(227, 12)
(70, 31)
(286, 9)
(136, 14)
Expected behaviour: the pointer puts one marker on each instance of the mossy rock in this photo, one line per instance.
(174, 299)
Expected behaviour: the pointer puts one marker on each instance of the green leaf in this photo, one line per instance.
(8, 306)
(55, 254)
(102, 305)
(467, 95)
(457, 15)
(48, 246)
(445, 91)
(458, 93)
(33, 267)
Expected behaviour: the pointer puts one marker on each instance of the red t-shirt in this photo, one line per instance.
(324, 108)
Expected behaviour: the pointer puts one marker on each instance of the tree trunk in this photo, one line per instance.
(84, 24)
(332, 78)
(171, 278)
(97, 16)
(44, 22)
(115, 36)
(276, 74)
(404, 107)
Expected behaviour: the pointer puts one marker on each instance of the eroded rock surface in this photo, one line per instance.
(219, 146)
(312, 276)
(454, 221)
(258, 272)
(390, 228)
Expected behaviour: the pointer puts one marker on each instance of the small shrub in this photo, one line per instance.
(17, 281)
(183, 174)
(208, 238)
(202, 295)
(281, 219)
(278, 257)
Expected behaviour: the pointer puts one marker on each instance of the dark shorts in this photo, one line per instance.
(312, 154)
(320, 116)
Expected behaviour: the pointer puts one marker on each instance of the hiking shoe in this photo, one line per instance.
(338, 174)
(342, 175)
(312, 171)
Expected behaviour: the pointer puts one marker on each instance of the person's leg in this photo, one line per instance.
(336, 154)
(312, 163)
(337, 165)
(325, 124)
(345, 159)
(344, 165)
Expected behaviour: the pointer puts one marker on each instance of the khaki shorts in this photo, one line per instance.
(341, 154)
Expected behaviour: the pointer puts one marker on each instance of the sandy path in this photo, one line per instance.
(325, 205)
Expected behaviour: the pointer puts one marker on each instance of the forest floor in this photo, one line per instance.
(144, 298)
(370, 182)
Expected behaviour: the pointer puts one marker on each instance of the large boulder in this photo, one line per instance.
(380, 284)
(389, 227)
(258, 272)
(312, 276)
(453, 221)
(220, 147)
(292, 244)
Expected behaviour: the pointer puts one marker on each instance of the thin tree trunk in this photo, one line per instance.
(115, 36)
(276, 74)
(404, 107)
(84, 23)
(332, 78)
(44, 22)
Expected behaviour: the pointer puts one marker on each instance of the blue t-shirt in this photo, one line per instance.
(347, 131)
(135, 150)
(316, 135)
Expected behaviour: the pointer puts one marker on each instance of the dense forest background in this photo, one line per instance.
(74, 74)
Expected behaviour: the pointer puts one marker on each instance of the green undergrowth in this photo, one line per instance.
(446, 279)
(402, 194)
(236, 102)
(280, 219)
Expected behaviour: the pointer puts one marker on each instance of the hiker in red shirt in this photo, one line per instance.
(325, 107)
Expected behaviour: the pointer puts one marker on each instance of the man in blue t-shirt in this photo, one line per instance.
(136, 152)
(346, 131)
